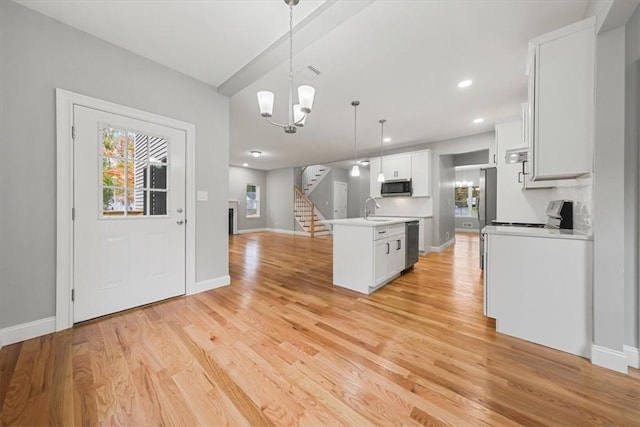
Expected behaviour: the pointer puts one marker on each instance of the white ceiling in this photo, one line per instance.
(401, 59)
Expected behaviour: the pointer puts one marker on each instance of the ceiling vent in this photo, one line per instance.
(309, 72)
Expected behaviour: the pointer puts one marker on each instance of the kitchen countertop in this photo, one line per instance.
(372, 222)
(537, 232)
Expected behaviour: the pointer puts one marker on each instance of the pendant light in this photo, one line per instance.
(355, 170)
(298, 112)
(380, 174)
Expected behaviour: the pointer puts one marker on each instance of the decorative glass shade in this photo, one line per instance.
(298, 116)
(265, 101)
(305, 97)
(380, 177)
(355, 170)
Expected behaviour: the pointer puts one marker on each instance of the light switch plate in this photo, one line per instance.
(203, 196)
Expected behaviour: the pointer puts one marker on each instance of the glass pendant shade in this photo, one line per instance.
(380, 177)
(355, 170)
(265, 101)
(305, 97)
(298, 116)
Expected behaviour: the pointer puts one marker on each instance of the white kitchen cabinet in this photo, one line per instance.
(390, 252)
(561, 69)
(397, 166)
(366, 257)
(421, 173)
(539, 288)
(374, 185)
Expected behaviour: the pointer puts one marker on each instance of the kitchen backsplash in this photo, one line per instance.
(405, 206)
(580, 192)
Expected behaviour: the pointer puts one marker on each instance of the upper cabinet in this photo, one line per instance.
(397, 166)
(560, 110)
(413, 165)
(421, 173)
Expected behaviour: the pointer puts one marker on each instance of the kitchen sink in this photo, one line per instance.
(378, 219)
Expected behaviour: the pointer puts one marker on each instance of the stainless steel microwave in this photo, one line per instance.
(398, 187)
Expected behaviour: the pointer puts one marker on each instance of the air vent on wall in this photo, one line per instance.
(309, 72)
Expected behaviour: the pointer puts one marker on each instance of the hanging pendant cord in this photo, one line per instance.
(355, 134)
(291, 118)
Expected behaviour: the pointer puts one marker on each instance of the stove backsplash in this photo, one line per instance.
(580, 191)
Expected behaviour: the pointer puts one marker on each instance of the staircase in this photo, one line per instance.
(311, 176)
(307, 215)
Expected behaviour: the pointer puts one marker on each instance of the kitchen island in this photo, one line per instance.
(368, 253)
(538, 285)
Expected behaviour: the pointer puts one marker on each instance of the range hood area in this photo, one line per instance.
(516, 155)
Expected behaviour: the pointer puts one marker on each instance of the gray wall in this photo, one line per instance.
(238, 180)
(358, 193)
(280, 206)
(443, 196)
(322, 194)
(632, 112)
(39, 54)
(609, 215)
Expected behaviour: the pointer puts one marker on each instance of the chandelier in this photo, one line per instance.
(298, 112)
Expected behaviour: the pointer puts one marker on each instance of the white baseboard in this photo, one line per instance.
(467, 230)
(218, 282)
(27, 330)
(608, 358)
(444, 246)
(633, 356)
(252, 230)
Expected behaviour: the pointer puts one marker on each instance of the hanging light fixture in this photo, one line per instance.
(355, 170)
(298, 112)
(380, 174)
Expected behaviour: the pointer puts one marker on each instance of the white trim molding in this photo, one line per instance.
(65, 101)
(633, 356)
(444, 246)
(26, 331)
(608, 358)
(215, 283)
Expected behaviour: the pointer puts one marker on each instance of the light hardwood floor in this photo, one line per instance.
(282, 346)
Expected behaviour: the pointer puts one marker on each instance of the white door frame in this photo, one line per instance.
(346, 186)
(65, 101)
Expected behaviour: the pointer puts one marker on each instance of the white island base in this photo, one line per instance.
(368, 254)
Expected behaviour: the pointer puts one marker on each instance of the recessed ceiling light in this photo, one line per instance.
(256, 153)
(465, 83)
(387, 139)
(478, 120)
(245, 164)
(364, 162)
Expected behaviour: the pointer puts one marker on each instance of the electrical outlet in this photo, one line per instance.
(446, 235)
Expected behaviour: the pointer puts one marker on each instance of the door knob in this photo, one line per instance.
(180, 222)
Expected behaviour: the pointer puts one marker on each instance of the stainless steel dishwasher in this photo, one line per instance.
(412, 239)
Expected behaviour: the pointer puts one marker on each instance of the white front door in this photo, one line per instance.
(339, 200)
(129, 205)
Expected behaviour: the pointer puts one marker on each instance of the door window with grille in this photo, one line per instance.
(133, 170)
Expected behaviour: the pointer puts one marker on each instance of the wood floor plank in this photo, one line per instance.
(283, 346)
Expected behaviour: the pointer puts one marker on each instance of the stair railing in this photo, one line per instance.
(306, 208)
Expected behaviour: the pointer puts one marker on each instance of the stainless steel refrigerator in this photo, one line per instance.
(486, 203)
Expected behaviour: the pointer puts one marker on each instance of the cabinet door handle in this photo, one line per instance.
(494, 158)
(387, 248)
(520, 177)
(399, 245)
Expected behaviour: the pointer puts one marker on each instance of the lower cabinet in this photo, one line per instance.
(539, 289)
(390, 254)
(366, 258)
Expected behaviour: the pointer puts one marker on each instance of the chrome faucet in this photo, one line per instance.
(366, 211)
